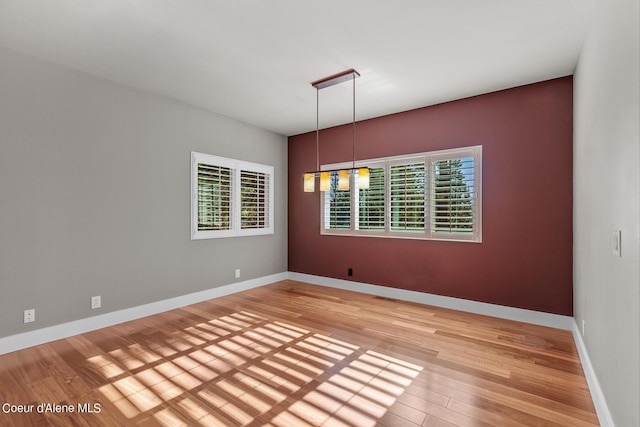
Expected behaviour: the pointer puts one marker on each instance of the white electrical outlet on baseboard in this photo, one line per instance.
(237, 273)
(96, 302)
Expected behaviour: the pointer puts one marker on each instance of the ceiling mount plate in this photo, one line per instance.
(335, 79)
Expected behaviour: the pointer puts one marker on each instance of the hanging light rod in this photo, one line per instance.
(335, 79)
(361, 173)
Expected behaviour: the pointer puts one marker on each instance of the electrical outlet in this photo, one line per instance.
(350, 272)
(617, 243)
(237, 273)
(583, 323)
(30, 315)
(96, 302)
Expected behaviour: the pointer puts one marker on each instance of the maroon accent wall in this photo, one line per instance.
(525, 258)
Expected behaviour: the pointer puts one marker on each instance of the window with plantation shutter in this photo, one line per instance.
(214, 197)
(230, 197)
(337, 206)
(433, 195)
(407, 191)
(254, 197)
(453, 196)
(371, 202)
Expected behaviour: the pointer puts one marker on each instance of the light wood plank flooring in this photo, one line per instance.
(294, 354)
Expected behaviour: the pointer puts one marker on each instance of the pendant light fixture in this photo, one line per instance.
(343, 174)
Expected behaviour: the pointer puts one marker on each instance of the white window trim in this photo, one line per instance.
(236, 167)
(428, 158)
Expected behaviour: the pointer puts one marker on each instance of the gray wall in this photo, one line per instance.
(607, 198)
(95, 196)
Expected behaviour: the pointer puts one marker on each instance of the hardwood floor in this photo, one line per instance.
(294, 354)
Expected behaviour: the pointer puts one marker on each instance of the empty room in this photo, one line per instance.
(361, 213)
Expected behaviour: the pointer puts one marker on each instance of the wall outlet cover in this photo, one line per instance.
(30, 315)
(96, 302)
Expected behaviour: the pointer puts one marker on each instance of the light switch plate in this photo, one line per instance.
(617, 243)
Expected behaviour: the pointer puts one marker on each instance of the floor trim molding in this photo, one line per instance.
(503, 312)
(604, 415)
(64, 330)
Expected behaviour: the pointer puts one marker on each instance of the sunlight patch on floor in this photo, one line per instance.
(241, 366)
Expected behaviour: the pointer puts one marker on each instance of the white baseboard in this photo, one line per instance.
(52, 333)
(604, 416)
(503, 312)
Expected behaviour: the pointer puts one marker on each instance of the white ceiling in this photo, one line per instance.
(253, 60)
